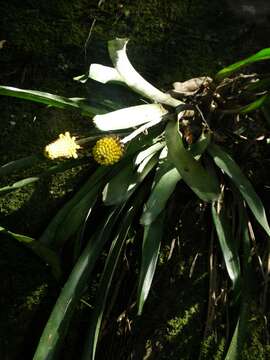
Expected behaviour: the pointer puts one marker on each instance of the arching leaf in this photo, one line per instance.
(225, 162)
(263, 54)
(150, 251)
(204, 184)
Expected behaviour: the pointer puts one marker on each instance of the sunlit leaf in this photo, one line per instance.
(104, 74)
(117, 51)
(129, 117)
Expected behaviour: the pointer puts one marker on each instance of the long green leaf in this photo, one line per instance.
(46, 254)
(121, 186)
(74, 220)
(263, 54)
(49, 235)
(236, 344)
(165, 181)
(259, 86)
(107, 275)
(166, 178)
(227, 244)
(261, 102)
(58, 322)
(20, 164)
(240, 332)
(229, 166)
(51, 100)
(51, 170)
(256, 104)
(204, 184)
(150, 250)
(18, 184)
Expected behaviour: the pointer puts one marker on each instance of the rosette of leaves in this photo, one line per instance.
(187, 135)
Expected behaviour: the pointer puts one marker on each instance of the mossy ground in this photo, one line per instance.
(169, 41)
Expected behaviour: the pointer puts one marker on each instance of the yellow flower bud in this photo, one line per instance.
(108, 150)
(65, 146)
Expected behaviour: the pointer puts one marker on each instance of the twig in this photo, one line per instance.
(91, 31)
(193, 265)
(252, 236)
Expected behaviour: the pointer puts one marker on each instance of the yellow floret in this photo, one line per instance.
(108, 150)
(65, 146)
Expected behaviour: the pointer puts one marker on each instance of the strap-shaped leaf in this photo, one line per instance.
(20, 164)
(117, 51)
(164, 183)
(112, 261)
(256, 104)
(240, 332)
(18, 185)
(166, 178)
(204, 184)
(104, 74)
(51, 170)
(236, 344)
(58, 322)
(262, 101)
(229, 166)
(150, 251)
(51, 100)
(46, 254)
(263, 54)
(227, 244)
(49, 235)
(74, 220)
(259, 85)
(129, 117)
(128, 179)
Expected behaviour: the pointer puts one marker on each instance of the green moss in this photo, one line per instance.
(255, 347)
(212, 347)
(35, 297)
(177, 325)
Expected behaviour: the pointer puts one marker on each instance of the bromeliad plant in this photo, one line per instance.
(144, 151)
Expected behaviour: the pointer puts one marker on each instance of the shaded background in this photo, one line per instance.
(45, 47)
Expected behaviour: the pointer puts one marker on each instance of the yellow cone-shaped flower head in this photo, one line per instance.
(108, 150)
(65, 146)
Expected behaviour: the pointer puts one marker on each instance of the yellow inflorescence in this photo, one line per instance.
(108, 150)
(65, 146)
